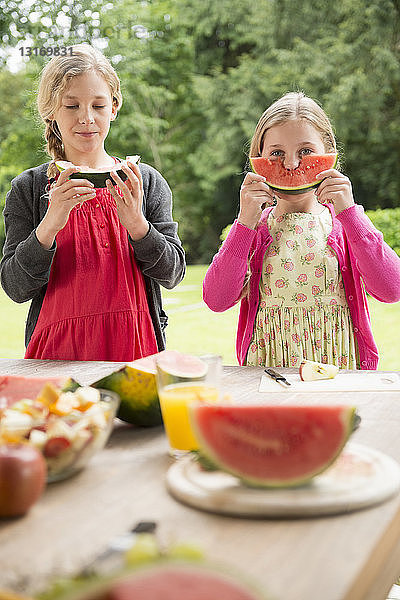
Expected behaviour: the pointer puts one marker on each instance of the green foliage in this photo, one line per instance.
(195, 78)
(388, 222)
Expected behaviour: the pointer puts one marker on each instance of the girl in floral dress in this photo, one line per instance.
(300, 264)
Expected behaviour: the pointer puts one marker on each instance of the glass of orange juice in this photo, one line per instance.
(182, 379)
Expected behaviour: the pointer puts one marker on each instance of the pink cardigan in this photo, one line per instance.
(364, 260)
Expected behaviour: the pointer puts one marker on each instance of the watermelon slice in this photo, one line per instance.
(96, 176)
(17, 387)
(293, 181)
(179, 582)
(272, 446)
(165, 580)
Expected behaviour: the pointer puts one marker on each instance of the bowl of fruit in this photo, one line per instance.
(68, 427)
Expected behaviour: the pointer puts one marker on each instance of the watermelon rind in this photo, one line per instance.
(98, 178)
(258, 164)
(209, 454)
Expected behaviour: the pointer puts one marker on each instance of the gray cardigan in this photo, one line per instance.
(25, 265)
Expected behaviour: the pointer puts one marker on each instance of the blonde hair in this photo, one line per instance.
(292, 107)
(54, 80)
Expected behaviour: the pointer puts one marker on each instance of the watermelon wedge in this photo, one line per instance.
(17, 387)
(272, 446)
(165, 580)
(96, 176)
(293, 181)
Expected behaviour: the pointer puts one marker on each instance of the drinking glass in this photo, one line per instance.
(181, 380)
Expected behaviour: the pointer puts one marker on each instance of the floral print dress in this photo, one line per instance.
(303, 311)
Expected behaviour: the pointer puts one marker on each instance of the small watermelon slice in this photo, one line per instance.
(182, 365)
(272, 446)
(96, 176)
(294, 181)
(17, 387)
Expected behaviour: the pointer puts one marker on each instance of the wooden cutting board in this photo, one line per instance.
(359, 478)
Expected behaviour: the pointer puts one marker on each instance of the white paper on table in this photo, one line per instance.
(362, 381)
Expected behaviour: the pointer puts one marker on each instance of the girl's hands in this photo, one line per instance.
(336, 189)
(64, 194)
(254, 195)
(129, 205)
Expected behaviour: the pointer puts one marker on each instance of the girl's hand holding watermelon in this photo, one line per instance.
(254, 195)
(309, 259)
(64, 195)
(129, 205)
(336, 189)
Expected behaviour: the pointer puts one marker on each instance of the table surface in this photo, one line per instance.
(345, 557)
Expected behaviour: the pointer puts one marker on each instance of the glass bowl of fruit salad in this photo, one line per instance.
(68, 427)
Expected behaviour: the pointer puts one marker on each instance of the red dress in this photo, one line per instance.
(95, 306)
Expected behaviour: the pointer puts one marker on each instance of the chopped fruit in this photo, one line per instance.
(311, 371)
(64, 404)
(38, 438)
(86, 397)
(55, 446)
(17, 423)
(49, 394)
(67, 427)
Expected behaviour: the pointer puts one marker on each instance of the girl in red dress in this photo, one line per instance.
(90, 259)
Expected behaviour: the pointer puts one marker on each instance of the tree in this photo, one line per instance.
(196, 76)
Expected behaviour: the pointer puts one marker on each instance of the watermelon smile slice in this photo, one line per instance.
(293, 181)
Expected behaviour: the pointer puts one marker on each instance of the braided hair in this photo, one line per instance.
(54, 80)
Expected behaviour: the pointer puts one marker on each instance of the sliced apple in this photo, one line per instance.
(311, 371)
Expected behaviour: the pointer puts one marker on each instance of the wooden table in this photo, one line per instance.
(349, 557)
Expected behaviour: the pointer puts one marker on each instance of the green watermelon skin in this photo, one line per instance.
(294, 181)
(97, 177)
(272, 446)
(137, 390)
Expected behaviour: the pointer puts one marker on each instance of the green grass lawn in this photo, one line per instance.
(194, 328)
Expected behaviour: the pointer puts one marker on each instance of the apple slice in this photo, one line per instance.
(311, 371)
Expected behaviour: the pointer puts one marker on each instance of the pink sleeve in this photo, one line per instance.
(223, 282)
(377, 263)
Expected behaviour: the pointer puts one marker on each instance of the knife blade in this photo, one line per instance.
(277, 376)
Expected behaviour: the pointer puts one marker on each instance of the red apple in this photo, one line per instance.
(23, 474)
